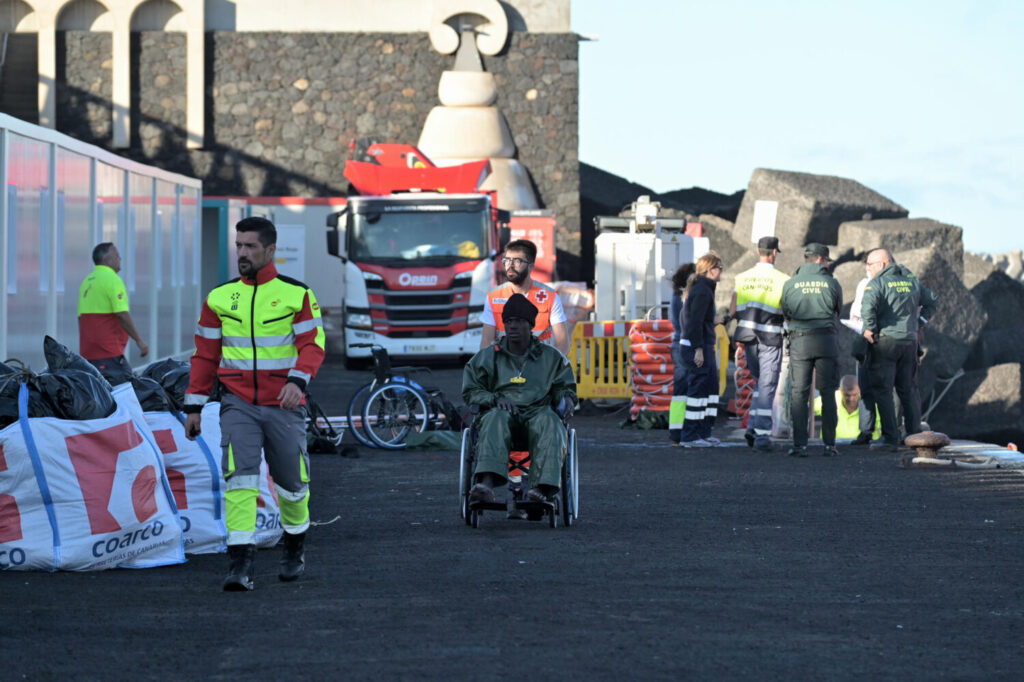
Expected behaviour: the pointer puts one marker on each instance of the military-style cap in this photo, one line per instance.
(519, 306)
(816, 249)
(769, 243)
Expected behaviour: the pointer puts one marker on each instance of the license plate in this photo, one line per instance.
(420, 348)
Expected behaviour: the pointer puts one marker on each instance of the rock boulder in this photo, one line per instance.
(984, 405)
(810, 209)
(1002, 298)
(905, 234)
(956, 323)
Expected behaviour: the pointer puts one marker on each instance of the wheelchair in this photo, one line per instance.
(564, 506)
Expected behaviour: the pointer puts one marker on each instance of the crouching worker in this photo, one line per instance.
(524, 386)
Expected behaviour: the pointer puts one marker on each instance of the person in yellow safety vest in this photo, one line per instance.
(850, 408)
(552, 325)
(104, 323)
(756, 306)
(262, 337)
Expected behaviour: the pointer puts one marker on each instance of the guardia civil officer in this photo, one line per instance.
(895, 305)
(755, 306)
(811, 300)
(261, 335)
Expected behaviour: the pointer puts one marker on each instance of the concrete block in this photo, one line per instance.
(849, 276)
(905, 234)
(810, 208)
(984, 405)
(727, 283)
(955, 325)
(1002, 299)
(719, 232)
(976, 270)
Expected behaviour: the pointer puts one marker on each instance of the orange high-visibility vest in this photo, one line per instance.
(540, 295)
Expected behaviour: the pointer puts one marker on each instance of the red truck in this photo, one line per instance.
(419, 244)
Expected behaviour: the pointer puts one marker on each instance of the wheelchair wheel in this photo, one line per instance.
(391, 412)
(355, 410)
(570, 482)
(465, 474)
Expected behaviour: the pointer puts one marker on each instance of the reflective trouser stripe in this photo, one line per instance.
(677, 412)
(712, 406)
(294, 509)
(240, 509)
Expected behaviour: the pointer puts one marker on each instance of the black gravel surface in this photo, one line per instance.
(722, 563)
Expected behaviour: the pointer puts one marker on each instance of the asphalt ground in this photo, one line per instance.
(722, 563)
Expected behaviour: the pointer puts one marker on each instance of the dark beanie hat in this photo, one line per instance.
(519, 306)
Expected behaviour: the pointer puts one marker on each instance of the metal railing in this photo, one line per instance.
(62, 197)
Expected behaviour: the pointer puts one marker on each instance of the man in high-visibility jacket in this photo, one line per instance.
(262, 336)
(756, 306)
(552, 325)
(104, 323)
(851, 409)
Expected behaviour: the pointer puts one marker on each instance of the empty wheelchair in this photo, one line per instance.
(564, 506)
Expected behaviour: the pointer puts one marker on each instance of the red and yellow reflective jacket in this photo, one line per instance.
(255, 336)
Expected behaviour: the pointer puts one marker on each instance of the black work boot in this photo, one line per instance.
(243, 568)
(292, 564)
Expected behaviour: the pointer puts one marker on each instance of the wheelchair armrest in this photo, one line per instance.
(410, 370)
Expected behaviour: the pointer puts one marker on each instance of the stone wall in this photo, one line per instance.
(282, 108)
(84, 86)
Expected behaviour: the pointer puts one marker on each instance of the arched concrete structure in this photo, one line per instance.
(188, 17)
(84, 15)
(158, 15)
(17, 17)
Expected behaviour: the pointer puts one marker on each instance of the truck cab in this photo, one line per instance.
(418, 267)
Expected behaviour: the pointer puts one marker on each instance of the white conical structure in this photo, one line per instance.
(466, 126)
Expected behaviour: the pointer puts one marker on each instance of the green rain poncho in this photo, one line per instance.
(536, 382)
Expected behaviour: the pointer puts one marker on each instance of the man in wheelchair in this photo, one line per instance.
(527, 388)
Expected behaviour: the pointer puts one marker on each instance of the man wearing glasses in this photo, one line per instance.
(895, 305)
(551, 326)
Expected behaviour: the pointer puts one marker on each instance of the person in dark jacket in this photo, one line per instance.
(524, 386)
(698, 354)
(677, 409)
(811, 300)
(895, 304)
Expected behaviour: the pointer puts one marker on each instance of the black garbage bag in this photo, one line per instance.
(58, 356)
(157, 370)
(150, 394)
(115, 372)
(11, 379)
(173, 376)
(76, 394)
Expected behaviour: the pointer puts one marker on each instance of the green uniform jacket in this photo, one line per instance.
(811, 299)
(891, 303)
(547, 372)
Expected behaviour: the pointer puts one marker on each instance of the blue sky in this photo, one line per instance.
(921, 101)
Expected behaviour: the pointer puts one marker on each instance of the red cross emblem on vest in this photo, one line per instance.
(541, 296)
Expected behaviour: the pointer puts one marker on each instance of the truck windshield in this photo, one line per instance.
(442, 237)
